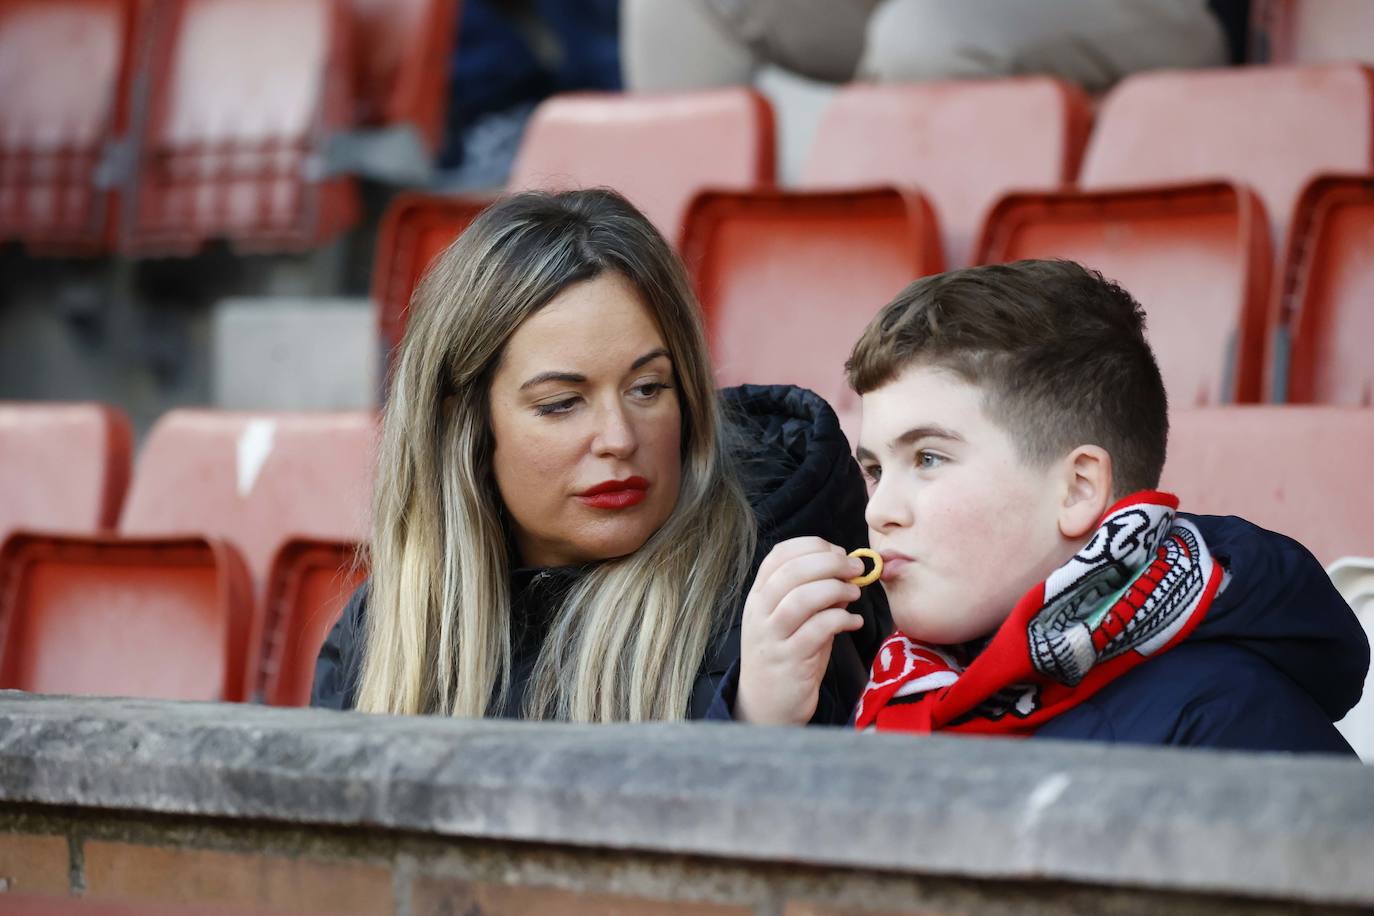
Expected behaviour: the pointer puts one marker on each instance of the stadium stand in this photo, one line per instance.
(788, 281)
(961, 144)
(1196, 256)
(244, 97)
(1328, 288)
(59, 122)
(63, 467)
(170, 618)
(1302, 471)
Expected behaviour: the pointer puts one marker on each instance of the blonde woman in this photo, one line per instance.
(568, 515)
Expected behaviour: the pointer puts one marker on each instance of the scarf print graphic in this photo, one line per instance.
(1138, 587)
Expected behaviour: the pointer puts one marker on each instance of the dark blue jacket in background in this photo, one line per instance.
(1277, 659)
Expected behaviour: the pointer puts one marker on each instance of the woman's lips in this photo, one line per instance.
(616, 494)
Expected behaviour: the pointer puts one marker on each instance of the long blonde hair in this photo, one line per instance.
(630, 636)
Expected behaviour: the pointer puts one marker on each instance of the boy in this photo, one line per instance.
(1014, 430)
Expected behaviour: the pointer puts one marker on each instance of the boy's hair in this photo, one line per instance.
(1058, 351)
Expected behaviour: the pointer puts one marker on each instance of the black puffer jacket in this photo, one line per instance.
(797, 470)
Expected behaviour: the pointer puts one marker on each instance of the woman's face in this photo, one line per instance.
(587, 426)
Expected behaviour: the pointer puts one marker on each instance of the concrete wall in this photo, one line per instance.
(258, 810)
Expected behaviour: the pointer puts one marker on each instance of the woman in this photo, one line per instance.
(560, 529)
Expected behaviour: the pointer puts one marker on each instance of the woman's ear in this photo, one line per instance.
(1087, 491)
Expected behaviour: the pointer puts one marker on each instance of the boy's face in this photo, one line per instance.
(965, 527)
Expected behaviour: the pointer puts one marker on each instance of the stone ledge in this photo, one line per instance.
(1274, 827)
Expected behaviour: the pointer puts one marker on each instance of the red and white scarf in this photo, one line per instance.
(1137, 588)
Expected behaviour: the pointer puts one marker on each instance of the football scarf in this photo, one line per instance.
(1137, 588)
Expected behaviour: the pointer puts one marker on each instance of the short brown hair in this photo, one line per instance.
(1059, 352)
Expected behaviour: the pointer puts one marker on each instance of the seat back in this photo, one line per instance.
(1328, 294)
(1301, 471)
(1195, 256)
(1273, 128)
(416, 228)
(1313, 31)
(961, 144)
(63, 467)
(310, 584)
(658, 149)
(401, 63)
(256, 480)
(171, 620)
(788, 281)
(65, 70)
(244, 96)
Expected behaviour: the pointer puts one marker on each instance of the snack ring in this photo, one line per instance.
(872, 575)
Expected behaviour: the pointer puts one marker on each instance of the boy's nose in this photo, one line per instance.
(886, 509)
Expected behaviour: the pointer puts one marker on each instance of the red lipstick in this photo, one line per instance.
(616, 494)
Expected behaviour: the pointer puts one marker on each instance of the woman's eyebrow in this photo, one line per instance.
(648, 358)
(555, 376)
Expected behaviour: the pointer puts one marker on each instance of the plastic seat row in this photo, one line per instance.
(1182, 194)
(154, 126)
(218, 577)
(234, 550)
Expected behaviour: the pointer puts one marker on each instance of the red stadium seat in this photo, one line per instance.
(65, 69)
(245, 94)
(1313, 31)
(961, 144)
(171, 619)
(788, 281)
(255, 480)
(415, 229)
(1328, 294)
(63, 467)
(658, 149)
(311, 581)
(401, 70)
(1302, 471)
(1274, 128)
(1196, 256)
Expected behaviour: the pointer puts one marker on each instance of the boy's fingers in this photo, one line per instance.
(790, 549)
(816, 633)
(809, 567)
(806, 600)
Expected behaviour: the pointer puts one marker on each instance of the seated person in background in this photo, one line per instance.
(567, 513)
(1014, 431)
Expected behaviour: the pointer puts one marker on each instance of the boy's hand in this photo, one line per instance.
(792, 615)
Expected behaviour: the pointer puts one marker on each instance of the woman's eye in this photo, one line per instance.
(927, 460)
(557, 407)
(649, 390)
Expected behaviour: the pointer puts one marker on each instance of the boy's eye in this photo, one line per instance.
(556, 407)
(927, 460)
(872, 472)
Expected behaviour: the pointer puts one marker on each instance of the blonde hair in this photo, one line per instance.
(631, 634)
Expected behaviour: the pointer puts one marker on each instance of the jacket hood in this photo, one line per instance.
(1279, 603)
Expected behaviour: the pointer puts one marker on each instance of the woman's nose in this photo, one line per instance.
(615, 434)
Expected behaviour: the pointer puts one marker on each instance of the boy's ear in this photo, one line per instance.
(1087, 490)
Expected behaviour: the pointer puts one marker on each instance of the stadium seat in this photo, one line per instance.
(401, 64)
(961, 144)
(1197, 257)
(1273, 128)
(255, 480)
(65, 68)
(414, 230)
(658, 149)
(310, 583)
(1299, 470)
(171, 619)
(63, 467)
(244, 96)
(788, 281)
(1314, 31)
(1327, 299)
